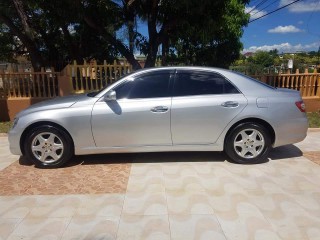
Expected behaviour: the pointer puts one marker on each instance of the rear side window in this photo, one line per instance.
(153, 85)
(191, 83)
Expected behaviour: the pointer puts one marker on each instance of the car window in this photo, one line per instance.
(145, 86)
(201, 83)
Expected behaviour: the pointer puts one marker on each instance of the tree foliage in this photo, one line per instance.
(187, 31)
(264, 59)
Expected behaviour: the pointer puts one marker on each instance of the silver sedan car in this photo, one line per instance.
(163, 109)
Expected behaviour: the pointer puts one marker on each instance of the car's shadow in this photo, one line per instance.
(288, 151)
(152, 157)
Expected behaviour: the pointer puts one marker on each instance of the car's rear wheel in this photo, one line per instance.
(48, 147)
(248, 143)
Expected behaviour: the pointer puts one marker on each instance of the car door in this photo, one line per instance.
(140, 116)
(203, 104)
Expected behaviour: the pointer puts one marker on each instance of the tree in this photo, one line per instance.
(200, 34)
(52, 32)
(211, 35)
(14, 16)
(262, 58)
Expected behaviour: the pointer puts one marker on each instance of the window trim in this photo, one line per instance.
(202, 71)
(171, 72)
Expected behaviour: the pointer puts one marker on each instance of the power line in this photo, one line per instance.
(253, 2)
(264, 7)
(258, 5)
(275, 10)
(310, 16)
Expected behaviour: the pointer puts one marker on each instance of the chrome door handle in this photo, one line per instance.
(159, 109)
(230, 104)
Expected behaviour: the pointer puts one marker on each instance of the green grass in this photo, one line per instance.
(5, 126)
(314, 122)
(314, 119)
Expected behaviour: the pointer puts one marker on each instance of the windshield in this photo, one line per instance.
(93, 94)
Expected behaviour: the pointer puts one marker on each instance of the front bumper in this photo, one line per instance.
(14, 142)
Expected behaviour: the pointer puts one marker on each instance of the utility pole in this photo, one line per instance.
(318, 63)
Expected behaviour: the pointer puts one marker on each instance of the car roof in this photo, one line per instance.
(215, 69)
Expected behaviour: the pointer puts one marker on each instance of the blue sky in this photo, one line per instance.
(294, 28)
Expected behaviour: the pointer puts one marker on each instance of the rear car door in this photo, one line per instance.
(203, 103)
(139, 117)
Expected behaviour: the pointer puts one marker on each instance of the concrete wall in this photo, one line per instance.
(10, 107)
(312, 104)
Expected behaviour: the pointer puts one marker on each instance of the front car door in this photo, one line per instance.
(203, 103)
(139, 117)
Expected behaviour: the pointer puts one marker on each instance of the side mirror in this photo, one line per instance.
(110, 96)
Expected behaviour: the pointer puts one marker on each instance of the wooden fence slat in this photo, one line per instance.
(318, 86)
(308, 86)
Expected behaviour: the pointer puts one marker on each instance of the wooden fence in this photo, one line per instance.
(43, 84)
(47, 83)
(92, 77)
(307, 83)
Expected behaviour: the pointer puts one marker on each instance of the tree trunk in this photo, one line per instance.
(23, 17)
(153, 35)
(114, 41)
(131, 36)
(74, 50)
(152, 56)
(165, 51)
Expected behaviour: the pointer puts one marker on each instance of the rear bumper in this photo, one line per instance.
(291, 131)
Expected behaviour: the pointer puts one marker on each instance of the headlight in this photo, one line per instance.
(15, 122)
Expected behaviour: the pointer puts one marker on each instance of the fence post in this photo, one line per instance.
(318, 86)
(105, 76)
(3, 85)
(65, 81)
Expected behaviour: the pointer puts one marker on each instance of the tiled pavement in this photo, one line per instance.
(164, 196)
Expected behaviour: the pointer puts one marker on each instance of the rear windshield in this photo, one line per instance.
(255, 80)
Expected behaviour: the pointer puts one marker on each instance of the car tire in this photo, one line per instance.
(248, 143)
(48, 146)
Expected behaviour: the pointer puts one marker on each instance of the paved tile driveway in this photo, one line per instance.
(164, 196)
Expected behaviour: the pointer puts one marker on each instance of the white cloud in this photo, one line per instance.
(302, 6)
(285, 29)
(254, 14)
(284, 47)
(300, 22)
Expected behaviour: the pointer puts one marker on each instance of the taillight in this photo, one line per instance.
(301, 106)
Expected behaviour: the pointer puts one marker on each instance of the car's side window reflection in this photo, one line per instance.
(201, 83)
(145, 86)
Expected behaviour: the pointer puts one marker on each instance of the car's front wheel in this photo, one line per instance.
(48, 146)
(248, 143)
